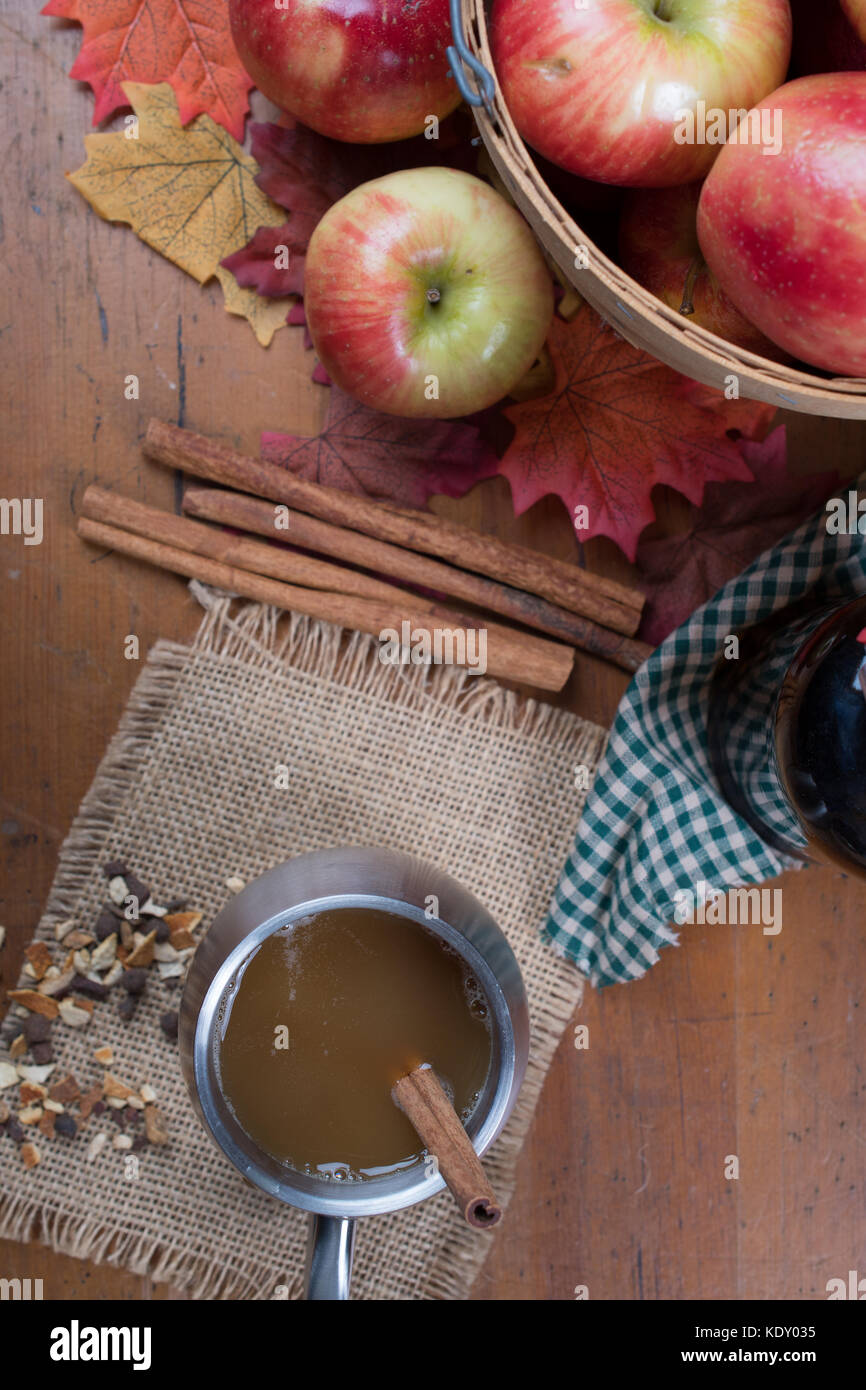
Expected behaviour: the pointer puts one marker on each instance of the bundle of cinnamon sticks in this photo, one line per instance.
(359, 535)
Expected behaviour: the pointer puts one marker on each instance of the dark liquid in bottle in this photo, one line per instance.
(821, 738)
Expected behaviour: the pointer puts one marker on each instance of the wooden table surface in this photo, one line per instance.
(734, 1044)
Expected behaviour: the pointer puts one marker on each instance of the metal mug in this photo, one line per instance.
(351, 877)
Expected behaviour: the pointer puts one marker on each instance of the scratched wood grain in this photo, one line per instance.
(736, 1044)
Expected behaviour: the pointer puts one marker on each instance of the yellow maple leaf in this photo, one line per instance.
(188, 191)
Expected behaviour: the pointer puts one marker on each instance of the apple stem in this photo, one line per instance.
(688, 305)
(433, 296)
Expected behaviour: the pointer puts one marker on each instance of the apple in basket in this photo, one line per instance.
(636, 92)
(426, 294)
(785, 236)
(358, 70)
(658, 246)
(856, 12)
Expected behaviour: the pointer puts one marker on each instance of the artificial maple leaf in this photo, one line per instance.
(187, 43)
(618, 423)
(736, 522)
(190, 193)
(406, 461)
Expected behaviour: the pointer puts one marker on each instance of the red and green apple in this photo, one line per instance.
(658, 246)
(619, 90)
(426, 294)
(785, 235)
(364, 71)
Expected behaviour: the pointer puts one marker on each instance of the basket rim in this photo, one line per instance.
(633, 299)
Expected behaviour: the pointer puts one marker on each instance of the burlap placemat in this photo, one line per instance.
(452, 768)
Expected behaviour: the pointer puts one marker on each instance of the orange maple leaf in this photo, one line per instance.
(185, 42)
(616, 424)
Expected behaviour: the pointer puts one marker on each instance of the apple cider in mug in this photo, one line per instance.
(325, 1016)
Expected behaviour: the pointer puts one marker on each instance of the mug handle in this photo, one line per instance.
(330, 1247)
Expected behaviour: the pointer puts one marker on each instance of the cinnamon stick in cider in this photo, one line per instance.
(421, 1098)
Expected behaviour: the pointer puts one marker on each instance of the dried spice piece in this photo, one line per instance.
(117, 889)
(39, 958)
(35, 1074)
(127, 1007)
(115, 869)
(32, 1093)
(183, 940)
(54, 1106)
(5, 1112)
(58, 985)
(47, 1123)
(36, 1028)
(97, 1144)
(152, 909)
(30, 1155)
(113, 975)
(18, 1047)
(77, 940)
(106, 925)
(168, 1023)
(65, 1125)
(127, 937)
(183, 921)
(139, 1143)
(15, 1130)
(162, 932)
(122, 1141)
(235, 884)
(37, 1003)
(134, 980)
(42, 1052)
(90, 1100)
(103, 955)
(114, 1087)
(66, 1091)
(136, 1103)
(155, 1125)
(104, 1056)
(30, 1115)
(137, 889)
(73, 1015)
(91, 989)
(143, 953)
(8, 1075)
(148, 1094)
(62, 928)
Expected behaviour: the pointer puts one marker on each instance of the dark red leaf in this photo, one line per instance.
(735, 523)
(406, 461)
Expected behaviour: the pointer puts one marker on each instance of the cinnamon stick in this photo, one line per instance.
(248, 513)
(603, 600)
(130, 515)
(510, 655)
(421, 1098)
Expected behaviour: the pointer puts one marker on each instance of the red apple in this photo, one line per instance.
(856, 12)
(824, 41)
(609, 89)
(358, 70)
(658, 244)
(426, 294)
(785, 235)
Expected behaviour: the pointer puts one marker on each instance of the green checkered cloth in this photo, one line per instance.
(656, 824)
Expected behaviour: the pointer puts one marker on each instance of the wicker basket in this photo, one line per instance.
(641, 318)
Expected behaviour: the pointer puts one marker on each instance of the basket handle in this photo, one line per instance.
(460, 56)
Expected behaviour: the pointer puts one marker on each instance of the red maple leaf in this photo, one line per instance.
(406, 461)
(736, 522)
(616, 424)
(185, 42)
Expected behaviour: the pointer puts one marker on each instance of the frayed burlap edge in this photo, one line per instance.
(261, 635)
